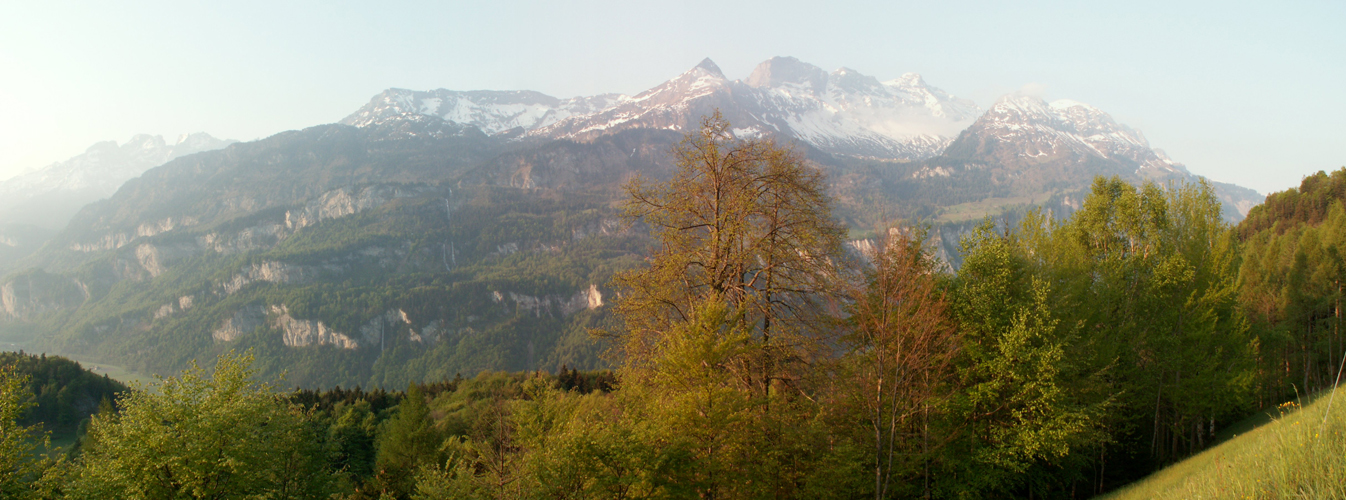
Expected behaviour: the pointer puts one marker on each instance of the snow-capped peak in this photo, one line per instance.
(492, 111)
(907, 80)
(1034, 128)
(843, 112)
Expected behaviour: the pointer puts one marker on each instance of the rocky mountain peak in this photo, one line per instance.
(844, 112)
(709, 67)
(852, 81)
(780, 71)
(1022, 130)
(1075, 119)
(146, 141)
(907, 80)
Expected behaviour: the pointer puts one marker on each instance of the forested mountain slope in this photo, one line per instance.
(445, 232)
(63, 394)
(347, 254)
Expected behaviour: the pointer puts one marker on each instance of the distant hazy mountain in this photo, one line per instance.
(843, 112)
(1061, 145)
(48, 197)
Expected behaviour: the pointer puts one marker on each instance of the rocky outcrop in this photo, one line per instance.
(182, 304)
(302, 333)
(294, 332)
(164, 311)
(604, 227)
(25, 297)
(243, 322)
(553, 305)
(375, 331)
(112, 241)
(259, 237)
(148, 256)
(864, 248)
(593, 299)
(431, 332)
(341, 202)
(270, 272)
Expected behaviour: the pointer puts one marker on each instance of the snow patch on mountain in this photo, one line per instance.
(492, 111)
(843, 112)
(1037, 128)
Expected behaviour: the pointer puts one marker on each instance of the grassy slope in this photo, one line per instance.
(1295, 455)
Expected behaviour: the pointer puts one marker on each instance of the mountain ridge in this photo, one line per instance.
(836, 114)
(96, 173)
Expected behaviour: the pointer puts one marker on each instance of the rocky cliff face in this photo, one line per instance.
(550, 305)
(31, 295)
(302, 333)
(244, 321)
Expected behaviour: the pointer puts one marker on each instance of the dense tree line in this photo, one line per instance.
(60, 393)
(759, 358)
(1291, 286)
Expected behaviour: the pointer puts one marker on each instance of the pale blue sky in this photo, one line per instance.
(1244, 92)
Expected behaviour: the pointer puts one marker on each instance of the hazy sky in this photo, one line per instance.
(1250, 93)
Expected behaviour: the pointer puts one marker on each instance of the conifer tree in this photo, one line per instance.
(406, 442)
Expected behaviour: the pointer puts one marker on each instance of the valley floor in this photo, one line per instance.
(115, 372)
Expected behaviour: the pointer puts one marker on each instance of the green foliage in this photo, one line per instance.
(63, 394)
(19, 464)
(406, 442)
(1308, 205)
(897, 368)
(747, 222)
(203, 436)
(1300, 454)
(1067, 353)
(1291, 285)
(1012, 410)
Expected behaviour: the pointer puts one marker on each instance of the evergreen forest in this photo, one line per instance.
(756, 355)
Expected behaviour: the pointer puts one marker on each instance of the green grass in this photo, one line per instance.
(115, 372)
(60, 443)
(1294, 455)
(990, 206)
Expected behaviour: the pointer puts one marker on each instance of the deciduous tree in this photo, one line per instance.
(745, 221)
(200, 436)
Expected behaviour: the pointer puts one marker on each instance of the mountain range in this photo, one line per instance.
(842, 112)
(439, 232)
(36, 204)
(49, 196)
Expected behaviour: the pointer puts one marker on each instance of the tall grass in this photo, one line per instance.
(1297, 455)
